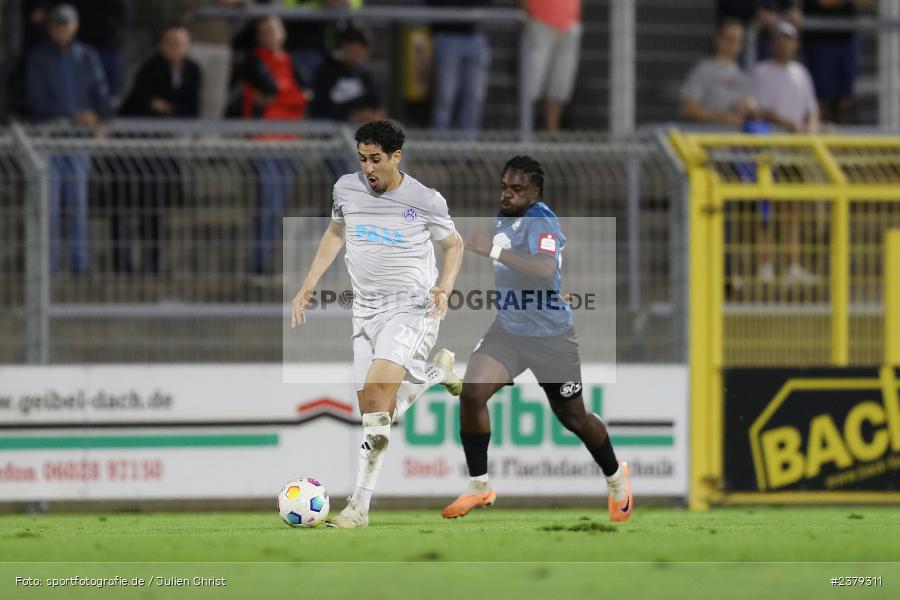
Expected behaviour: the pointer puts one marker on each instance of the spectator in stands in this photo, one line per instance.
(309, 42)
(763, 13)
(462, 57)
(167, 85)
(65, 80)
(101, 25)
(553, 48)
(783, 87)
(210, 44)
(270, 83)
(271, 90)
(716, 90)
(344, 89)
(784, 91)
(833, 57)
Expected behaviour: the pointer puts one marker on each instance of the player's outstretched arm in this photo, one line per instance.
(329, 246)
(535, 265)
(453, 256)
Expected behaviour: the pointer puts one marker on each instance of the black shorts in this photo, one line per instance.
(554, 360)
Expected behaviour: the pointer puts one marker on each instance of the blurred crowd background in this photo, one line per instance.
(714, 61)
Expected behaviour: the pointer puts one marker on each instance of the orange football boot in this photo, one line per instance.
(465, 503)
(621, 511)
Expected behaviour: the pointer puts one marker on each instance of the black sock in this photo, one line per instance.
(605, 457)
(475, 445)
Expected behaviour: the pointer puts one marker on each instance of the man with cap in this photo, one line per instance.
(783, 87)
(786, 97)
(64, 80)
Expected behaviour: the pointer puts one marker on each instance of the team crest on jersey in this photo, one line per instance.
(517, 224)
(547, 243)
(570, 389)
(409, 215)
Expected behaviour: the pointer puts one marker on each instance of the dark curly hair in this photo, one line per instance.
(530, 167)
(386, 134)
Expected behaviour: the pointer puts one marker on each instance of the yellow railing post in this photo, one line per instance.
(840, 257)
(715, 219)
(892, 298)
(840, 280)
(699, 348)
(698, 318)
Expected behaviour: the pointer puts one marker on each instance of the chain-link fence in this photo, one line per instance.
(163, 243)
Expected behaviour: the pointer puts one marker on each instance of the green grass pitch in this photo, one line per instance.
(496, 553)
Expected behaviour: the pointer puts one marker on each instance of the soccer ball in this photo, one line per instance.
(303, 503)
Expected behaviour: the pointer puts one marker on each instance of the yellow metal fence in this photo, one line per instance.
(789, 264)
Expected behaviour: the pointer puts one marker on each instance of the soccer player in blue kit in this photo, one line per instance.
(533, 331)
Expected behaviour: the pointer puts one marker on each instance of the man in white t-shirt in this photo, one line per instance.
(783, 87)
(786, 96)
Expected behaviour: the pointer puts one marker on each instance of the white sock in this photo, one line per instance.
(409, 392)
(376, 435)
(479, 485)
(362, 496)
(616, 484)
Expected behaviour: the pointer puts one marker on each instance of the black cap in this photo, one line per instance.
(353, 34)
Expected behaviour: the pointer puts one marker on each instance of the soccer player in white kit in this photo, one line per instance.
(388, 221)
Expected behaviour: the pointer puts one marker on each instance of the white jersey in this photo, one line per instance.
(390, 255)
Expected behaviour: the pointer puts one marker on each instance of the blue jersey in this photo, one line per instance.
(531, 305)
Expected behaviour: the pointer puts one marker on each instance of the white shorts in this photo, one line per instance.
(405, 338)
(552, 60)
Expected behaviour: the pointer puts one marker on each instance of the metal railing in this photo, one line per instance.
(787, 264)
(130, 236)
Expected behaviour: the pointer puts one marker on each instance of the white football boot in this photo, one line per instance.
(352, 517)
(452, 381)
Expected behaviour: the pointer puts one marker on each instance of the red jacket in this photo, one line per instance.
(272, 74)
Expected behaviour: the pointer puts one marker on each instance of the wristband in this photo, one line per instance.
(495, 252)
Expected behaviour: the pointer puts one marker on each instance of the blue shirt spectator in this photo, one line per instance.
(462, 57)
(833, 56)
(64, 78)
